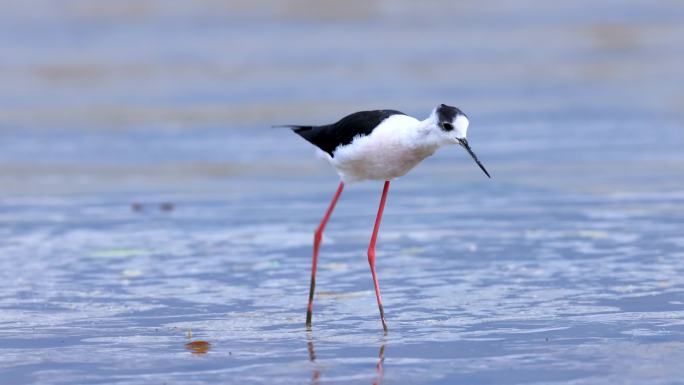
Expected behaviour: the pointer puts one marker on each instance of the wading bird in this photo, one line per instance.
(380, 145)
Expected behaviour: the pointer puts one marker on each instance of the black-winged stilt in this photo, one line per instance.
(380, 145)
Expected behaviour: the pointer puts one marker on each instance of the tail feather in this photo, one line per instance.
(295, 127)
(303, 131)
(319, 136)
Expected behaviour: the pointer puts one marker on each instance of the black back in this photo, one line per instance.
(331, 136)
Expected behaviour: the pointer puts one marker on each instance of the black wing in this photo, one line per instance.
(331, 136)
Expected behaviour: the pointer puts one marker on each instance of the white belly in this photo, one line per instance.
(387, 153)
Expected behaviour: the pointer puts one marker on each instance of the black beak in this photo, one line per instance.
(465, 145)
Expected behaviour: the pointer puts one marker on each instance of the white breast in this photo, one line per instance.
(390, 151)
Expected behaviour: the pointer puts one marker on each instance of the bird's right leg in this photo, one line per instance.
(371, 253)
(318, 236)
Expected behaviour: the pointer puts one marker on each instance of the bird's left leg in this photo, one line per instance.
(318, 237)
(371, 252)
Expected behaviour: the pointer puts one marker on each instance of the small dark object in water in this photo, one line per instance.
(198, 347)
(136, 206)
(166, 206)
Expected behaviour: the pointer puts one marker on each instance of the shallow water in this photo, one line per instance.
(162, 234)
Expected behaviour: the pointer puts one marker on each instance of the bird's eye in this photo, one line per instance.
(447, 126)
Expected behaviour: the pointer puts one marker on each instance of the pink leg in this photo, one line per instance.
(378, 367)
(318, 236)
(371, 252)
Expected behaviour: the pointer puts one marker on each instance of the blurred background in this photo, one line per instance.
(154, 228)
(136, 94)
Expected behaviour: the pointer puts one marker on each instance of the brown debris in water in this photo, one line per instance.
(198, 348)
(167, 206)
(137, 206)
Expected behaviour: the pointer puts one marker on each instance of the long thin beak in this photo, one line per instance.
(464, 144)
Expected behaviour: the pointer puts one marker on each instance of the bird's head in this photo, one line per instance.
(453, 126)
(452, 122)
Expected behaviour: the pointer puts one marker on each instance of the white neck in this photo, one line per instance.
(428, 134)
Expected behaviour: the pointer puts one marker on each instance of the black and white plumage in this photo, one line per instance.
(379, 145)
(386, 144)
(329, 137)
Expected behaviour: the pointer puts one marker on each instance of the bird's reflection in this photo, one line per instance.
(316, 373)
(378, 367)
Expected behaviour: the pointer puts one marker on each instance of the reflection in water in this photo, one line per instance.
(378, 367)
(198, 348)
(316, 373)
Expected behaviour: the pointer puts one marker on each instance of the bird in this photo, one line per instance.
(379, 145)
